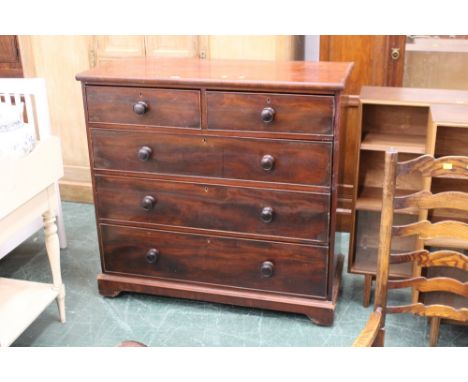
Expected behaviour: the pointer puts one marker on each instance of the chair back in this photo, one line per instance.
(446, 234)
(32, 92)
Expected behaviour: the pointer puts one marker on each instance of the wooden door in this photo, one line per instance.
(104, 48)
(10, 63)
(379, 61)
(176, 46)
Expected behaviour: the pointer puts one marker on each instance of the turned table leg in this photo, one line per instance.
(53, 252)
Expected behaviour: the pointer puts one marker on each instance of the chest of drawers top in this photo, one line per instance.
(283, 76)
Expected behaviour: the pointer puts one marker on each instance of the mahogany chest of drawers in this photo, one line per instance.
(216, 180)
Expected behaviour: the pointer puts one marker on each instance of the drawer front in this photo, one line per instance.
(275, 113)
(238, 209)
(234, 158)
(254, 264)
(157, 107)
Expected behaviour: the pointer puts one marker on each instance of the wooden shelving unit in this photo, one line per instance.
(413, 122)
(383, 142)
(449, 128)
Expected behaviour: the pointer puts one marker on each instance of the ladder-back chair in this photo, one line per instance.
(448, 234)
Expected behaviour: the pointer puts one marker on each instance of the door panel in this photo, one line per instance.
(375, 65)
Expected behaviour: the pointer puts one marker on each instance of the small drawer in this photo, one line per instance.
(143, 106)
(302, 215)
(274, 113)
(284, 161)
(253, 264)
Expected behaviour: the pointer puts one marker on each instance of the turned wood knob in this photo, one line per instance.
(140, 107)
(268, 162)
(148, 202)
(145, 153)
(268, 114)
(152, 256)
(267, 268)
(267, 214)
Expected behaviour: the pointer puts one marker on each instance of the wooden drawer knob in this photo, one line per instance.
(148, 202)
(145, 153)
(268, 114)
(267, 214)
(152, 256)
(267, 269)
(140, 107)
(268, 162)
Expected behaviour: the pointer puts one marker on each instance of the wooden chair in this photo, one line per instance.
(32, 92)
(449, 233)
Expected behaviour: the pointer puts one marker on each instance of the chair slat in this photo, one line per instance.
(449, 166)
(435, 284)
(427, 200)
(424, 258)
(426, 230)
(442, 311)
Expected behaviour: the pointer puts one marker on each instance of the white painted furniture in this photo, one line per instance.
(32, 92)
(29, 191)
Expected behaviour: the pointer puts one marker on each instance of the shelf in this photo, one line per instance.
(370, 199)
(21, 302)
(366, 262)
(413, 144)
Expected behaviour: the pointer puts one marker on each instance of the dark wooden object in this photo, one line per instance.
(445, 232)
(413, 122)
(10, 60)
(216, 180)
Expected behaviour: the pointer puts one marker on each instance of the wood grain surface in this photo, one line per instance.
(223, 261)
(219, 157)
(295, 214)
(292, 113)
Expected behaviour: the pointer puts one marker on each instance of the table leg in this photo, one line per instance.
(53, 252)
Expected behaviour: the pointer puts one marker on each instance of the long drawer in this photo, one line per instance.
(301, 215)
(273, 113)
(143, 106)
(283, 161)
(252, 264)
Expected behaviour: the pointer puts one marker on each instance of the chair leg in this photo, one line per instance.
(380, 339)
(367, 290)
(434, 333)
(53, 253)
(60, 222)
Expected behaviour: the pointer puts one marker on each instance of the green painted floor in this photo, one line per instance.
(93, 320)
